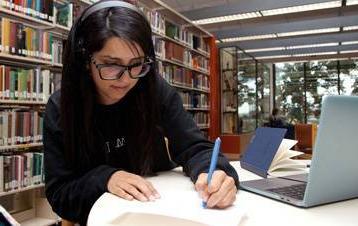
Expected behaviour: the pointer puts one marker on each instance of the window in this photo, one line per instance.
(321, 79)
(290, 93)
(247, 95)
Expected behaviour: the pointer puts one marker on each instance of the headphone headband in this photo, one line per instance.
(110, 4)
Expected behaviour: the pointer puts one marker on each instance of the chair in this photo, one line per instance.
(305, 134)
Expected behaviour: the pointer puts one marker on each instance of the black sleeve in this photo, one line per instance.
(187, 145)
(70, 194)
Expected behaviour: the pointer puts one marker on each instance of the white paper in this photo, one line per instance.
(180, 204)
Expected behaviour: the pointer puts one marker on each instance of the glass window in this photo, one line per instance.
(263, 93)
(247, 95)
(290, 93)
(321, 79)
(349, 77)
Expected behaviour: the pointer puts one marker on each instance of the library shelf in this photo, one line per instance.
(22, 189)
(20, 146)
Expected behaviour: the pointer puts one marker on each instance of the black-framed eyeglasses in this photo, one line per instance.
(137, 68)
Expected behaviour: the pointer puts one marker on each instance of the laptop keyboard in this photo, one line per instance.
(294, 191)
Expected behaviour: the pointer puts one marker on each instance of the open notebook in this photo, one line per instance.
(283, 158)
(175, 208)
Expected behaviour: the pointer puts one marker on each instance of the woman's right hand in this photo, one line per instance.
(131, 186)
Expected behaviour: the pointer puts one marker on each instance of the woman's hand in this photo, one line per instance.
(130, 186)
(220, 193)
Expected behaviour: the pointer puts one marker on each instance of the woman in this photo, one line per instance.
(105, 129)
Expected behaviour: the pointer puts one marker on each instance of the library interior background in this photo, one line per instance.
(232, 61)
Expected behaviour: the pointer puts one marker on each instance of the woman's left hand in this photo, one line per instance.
(221, 192)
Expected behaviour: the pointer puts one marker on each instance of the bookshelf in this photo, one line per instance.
(183, 56)
(30, 64)
(229, 87)
(184, 59)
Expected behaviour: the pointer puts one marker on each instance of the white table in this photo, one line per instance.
(257, 210)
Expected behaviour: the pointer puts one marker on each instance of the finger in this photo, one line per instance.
(122, 194)
(153, 190)
(132, 190)
(144, 188)
(201, 186)
(201, 182)
(216, 181)
(228, 200)
(225, 187)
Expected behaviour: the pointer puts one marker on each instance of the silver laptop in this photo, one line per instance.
(334, 170)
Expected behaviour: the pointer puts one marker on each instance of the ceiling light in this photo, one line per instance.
(271, 57)
(350, 43)
(350, 28)
(313, 54)
(306, 32)
(302, 8)
(349, 51)
(352, 2)
(265, 49)
(227, 18)
(313, 45)
(246, 38)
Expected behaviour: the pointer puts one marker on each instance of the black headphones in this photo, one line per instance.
(77, 45)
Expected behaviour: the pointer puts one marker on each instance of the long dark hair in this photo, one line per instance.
(78, 92)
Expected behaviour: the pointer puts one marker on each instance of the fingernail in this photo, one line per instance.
(157, 196)
(152, 198)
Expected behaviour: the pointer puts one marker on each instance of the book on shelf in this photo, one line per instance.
(201, 81)
(18, 83)
(63, 14)
(183, 77)
(171, 30)
(186, 37)
(159, 47)
(174, 52)
(268, 152)
(155, 19)
(18, 39)
(201, 118)
(194, 100)
(57, 49)
(35, 8)
(200, 44)
(20, 126)
(184, 56)
(200, 62)
(21, 170)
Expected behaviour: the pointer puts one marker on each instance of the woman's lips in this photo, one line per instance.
(119, 87)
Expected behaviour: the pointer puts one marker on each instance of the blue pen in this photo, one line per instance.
(213, 162)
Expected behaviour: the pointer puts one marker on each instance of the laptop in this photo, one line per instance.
(333, 173)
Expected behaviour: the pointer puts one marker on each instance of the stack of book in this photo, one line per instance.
(27, 84)
(39, 9)
(22, 40)
(20, 171)
(18, 126)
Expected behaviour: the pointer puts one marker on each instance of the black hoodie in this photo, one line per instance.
(72, 194)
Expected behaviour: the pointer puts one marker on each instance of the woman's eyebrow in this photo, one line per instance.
(120, 59)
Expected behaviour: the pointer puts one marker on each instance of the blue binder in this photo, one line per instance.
(262, 149)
